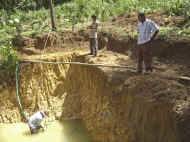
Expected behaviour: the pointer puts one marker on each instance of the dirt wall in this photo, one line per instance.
(9, 111)
(171, 49)
(115, 105)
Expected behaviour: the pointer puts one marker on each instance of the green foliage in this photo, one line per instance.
(8, 59)
(103, 8)
(34, 22)
(78, 11)
(83, 9)
(177, 7)
(25, 5)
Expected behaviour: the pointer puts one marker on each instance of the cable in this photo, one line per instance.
(77, 63)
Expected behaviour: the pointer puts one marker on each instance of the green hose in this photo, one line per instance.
(23, 115)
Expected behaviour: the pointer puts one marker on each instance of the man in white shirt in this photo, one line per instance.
(35, 121)
(147, 31)
(93, 35)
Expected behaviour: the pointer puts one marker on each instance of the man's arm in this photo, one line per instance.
(154, 35)
(43, 125)
(155, 30)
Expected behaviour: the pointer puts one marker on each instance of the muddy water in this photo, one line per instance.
(67, 131)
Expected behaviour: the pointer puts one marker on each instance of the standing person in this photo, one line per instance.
(147, 31)
(93, 36)
(35, 121)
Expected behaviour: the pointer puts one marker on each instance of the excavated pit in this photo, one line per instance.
(115, 104)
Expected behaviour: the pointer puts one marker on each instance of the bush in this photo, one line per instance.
(8, 59)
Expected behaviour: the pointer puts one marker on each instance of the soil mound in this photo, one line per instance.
(156, 88)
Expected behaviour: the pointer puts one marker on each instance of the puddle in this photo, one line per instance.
(67, 131)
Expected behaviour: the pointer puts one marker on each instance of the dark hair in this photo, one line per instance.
(42, 113)
(93, 17)
(141, 14)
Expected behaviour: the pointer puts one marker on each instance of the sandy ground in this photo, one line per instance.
(70, 131)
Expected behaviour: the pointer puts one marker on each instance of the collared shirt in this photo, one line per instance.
(36, 119)
(146, 30)
(94, 30)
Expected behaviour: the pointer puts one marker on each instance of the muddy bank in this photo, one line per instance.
(115, 104)
(9, 111)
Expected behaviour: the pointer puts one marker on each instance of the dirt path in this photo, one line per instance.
(70, 131)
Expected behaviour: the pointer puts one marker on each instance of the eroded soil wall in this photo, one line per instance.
(114, 108)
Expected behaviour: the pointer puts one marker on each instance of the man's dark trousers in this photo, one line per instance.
(144, 55)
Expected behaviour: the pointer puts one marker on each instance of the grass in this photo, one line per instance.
(79, 11)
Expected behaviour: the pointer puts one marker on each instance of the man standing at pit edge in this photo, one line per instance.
(93, 36)
(147, 31)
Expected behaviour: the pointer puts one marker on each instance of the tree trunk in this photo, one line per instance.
(52, 15)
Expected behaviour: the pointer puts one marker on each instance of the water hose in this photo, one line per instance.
(21, 110)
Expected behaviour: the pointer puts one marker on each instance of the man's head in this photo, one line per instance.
(94, 18)
(141, 17)
(45, 113)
